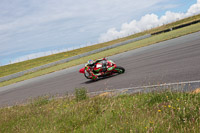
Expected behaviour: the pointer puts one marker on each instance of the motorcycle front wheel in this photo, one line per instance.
(86, 74)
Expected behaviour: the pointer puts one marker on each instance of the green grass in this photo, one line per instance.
(17, 67)
(152, 112)
(124, 48)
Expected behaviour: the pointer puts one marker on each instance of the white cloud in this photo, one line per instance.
(147, 22)
(194, 9)
(30, 25)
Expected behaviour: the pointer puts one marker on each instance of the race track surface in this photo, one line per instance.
(175, 60)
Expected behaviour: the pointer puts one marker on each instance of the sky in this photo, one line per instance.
(35, 28)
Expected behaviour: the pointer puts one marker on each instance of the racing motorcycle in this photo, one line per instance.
(101, 69)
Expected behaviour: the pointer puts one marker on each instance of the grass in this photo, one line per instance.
(81, 94)
(124, 48)
(150, 112)
(17, 67)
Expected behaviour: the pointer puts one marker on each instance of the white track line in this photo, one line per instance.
(150, 86)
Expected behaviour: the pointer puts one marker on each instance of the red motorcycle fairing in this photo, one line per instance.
(98, 66)
(82, 70)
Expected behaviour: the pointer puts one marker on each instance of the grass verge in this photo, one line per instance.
(150, 112)
(124, 48)
(21, 66)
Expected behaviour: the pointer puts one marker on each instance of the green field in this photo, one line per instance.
(150, 112)
(17, 67)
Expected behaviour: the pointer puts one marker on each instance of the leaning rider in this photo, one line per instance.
(92, 64)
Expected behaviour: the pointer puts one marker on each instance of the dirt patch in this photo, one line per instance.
(196, 91)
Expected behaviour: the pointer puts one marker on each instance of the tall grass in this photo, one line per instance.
(152, 112)
(81, 94)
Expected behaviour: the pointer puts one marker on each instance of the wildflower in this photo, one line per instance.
(169, 106)
(146, 127)
(166, 96)
(165, 106)
(151, 122)
(159, 110)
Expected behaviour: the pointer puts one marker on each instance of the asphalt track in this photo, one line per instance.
(176, 60)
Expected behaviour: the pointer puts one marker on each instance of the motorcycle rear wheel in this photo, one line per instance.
(120, 69)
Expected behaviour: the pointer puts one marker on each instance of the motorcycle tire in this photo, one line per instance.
(86, 74)
(120, 69)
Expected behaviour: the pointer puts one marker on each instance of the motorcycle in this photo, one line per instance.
(101, 69)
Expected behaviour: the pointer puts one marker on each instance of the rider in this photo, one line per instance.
(92, 64)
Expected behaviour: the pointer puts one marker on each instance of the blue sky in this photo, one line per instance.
(34, 28)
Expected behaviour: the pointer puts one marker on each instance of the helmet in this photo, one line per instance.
(90, 62)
